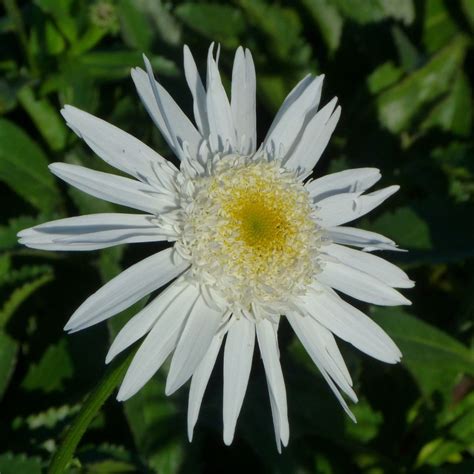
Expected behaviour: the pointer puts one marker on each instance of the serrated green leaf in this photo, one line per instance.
(399, 105)
(51, 371)
(19, 464)
(434, 358)
(222, 23)
(8, 352)
(23, 167)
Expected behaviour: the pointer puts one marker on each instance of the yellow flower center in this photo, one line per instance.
(251, 233)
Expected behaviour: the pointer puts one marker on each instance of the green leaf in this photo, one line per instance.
(19, 464)
(221, 23)
(399, 105)
(60, 10)
(23, 167)
(8, 357)
(51, 371)
(438, 26)
(328, 19)
(433, 357)
(136, 27)
(384, 76)
(47, 119)
(408, 55)
(7, 97)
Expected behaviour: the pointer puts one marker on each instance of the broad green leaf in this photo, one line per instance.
(398, 106)
(136, 27)
(468, 9)
(384, 76)
(454, 113)
(438, 25)
(60, 10)
(23, 167)
(19, 464)
(8, 357)
(221, 23)
(434, 358)
(52, 371)
(328, 19)
(368, 11)
(7, 97)
(47, 119)
(409, 57)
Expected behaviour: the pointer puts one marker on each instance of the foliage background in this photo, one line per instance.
(403, 71)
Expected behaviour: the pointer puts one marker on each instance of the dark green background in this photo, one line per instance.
(403, 71)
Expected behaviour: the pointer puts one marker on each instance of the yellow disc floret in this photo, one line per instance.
(250, 232)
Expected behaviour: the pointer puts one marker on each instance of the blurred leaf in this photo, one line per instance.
(438, 26)
(167, 26)
(7, 97)
(221, 23)
(409, 57)
(45, 39)
(384, 76)
(433, 357)
(46, 118)
(398, 106)
(23, 166)
(51, 371)
(468, 9)
(60, 10)
(368, 422)
(19, 464)
(136, 27)
(454, 113)
(328, 19)
(19, 295)
(8, 356)
(368, 11)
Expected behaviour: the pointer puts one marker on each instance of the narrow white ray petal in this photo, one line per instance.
(359, 285)
(200, 380)
(94, 231)
(371, 264)
(124, 191)
(127, 288)
(197, 90)
(193, 343)
(268, 344)
(311, 144)
(158, 344)
(219, 113)
(342, 208)
(144, 320)
(118, 148)
(238, 356)
(243, 101)
(348, 181)
(174, 125)
(335, 354)
(313, 336)
(369, 241)
(300, 103)
(349, 324)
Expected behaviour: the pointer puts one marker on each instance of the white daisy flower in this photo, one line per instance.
(251, 240)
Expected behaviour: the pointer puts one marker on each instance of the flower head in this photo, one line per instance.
(251, 240)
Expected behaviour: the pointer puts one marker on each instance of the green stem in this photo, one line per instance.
(94, 401)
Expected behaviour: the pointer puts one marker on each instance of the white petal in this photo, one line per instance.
(238, 356)
(118, 148)
(243, 101)
(348, 181)
(313, 336)
(174, 125)
(268, 344)
(197, 90)
(359, 285)
(219, 112)
(158, 344)
(349, 324)
(342, 208)
(200, 380)
(124, 191)
(95, 231)
(290, 120)
(371, 264)
(144, 320)
(194, 342)
(127, 288)
(310, 146)
(366, 239)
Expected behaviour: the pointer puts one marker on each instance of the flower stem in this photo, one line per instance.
(92, 404)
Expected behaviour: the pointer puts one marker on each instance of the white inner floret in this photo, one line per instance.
(250, 234)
